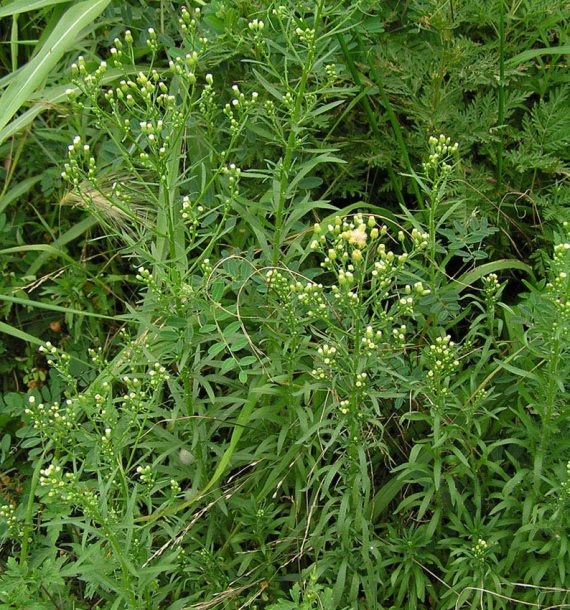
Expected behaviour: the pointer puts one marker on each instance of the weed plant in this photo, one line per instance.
(286, 401)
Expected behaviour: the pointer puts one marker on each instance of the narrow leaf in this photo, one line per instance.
(532, 53)
(501, 265)
(61, 39)
(23, 6)
(19, 334)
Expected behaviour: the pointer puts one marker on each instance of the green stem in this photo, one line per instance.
(549, 401)
(291, 141)
(356, 76)
(119, 552)
(395, 127)
(432, 236)
(354, 406)
(501, 109)
(30, 506)
(369, 112)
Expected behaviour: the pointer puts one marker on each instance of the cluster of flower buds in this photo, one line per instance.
(145, 277)
(559, 284)
(81, 163)
(233, 174)
(188, 21)
(443, 362)
(55, 421)
(185, 66)
(256, 27)
(58, 359)
(64, 487)
(442, 155)
(491, 288)
(331, 74)
(480, 550)
(565, 487)
(146, 475)
(238, 107)
(206, 101)
(371, 341)
(327, 354)
(190, 214)
(151, 41)
(306, 35)
(9, 516)
(310, 295)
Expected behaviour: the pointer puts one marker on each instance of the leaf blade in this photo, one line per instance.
(57, 43)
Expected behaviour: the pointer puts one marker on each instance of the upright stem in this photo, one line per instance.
(549, 401)
(291, 141)
(396, 129)
(370, 113)
(432, 237)
(30, 506)
(501, 109)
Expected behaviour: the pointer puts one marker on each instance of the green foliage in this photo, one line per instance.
(256, 386)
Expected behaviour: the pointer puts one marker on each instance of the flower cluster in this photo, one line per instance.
(150, 93)
(559, 284)
(190, 213)
(55, 421)
(89, 82)
(239, 107)
(96, 356)
(371, 341)
(188, 21)
(151, 41)
(442, 362)
(153, 132)
(158, 375)
(207, 97)
(420, 239)
(13, 526)
(81, 163)
(307, 294)
(184, 66)
(306, 36)
(65, 488)
(234, 174)
(116, 52)
(399, 336)
(57, 359)
(135, 397)
(564, 495)
(443, 154)
(256, 26)
(331, 74)
(491, 288)
(175, 488)
(328, 354)
(480, 549)
(145, 277)
(146, 475)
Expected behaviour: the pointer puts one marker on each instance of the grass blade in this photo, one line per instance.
(532, 53)
(19, 334)
(62, 240)
(61, 39)
(51, 307)
(24, 6)
(21, 189)
(504, 264)
(51, 96)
